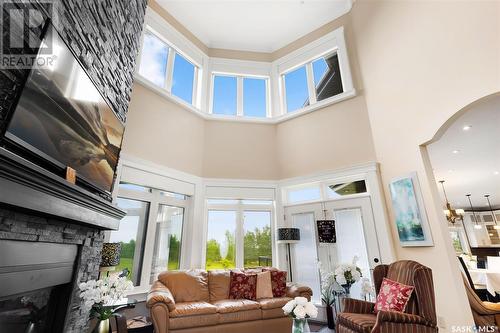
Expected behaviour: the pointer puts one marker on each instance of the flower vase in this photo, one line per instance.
(300, 326)
(330, 318)
(103, 326)
(347, 288)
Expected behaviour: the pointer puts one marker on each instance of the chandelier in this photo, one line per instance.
(452, 215)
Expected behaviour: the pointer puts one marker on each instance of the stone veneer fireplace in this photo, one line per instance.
(36, 206)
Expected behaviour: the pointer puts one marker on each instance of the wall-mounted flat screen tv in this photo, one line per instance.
(62, 118)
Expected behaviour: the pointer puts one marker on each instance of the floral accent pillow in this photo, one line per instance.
(393, 296)
(242, 286)
(278, 282)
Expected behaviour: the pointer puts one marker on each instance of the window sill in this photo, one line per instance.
(275, 120)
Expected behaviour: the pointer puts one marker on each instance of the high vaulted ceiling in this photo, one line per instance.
(256, 25)
(468, 159)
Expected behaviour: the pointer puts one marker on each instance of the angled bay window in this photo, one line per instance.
(327, 79)
(312, 82)
(225, 95)
(183, 78)
(165, 67)
(240, 96)
(254, 97)
(295, 82)
(154, 56)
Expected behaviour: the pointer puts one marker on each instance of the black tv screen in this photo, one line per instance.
(62, 118)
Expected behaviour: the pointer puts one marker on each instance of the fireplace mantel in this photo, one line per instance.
(28, 186)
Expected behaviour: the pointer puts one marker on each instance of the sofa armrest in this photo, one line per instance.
(159, 293)
(295, 290)
(401, 318)
(352, 305)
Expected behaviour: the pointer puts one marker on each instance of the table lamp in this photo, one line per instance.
(110, 256)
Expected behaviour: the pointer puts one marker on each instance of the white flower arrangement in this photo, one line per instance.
(329, 286)
(367, 290)
(300, 308)
(98, 294)
(348, 274)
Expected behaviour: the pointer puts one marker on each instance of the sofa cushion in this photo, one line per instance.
(264, 285)
(192, 309)
(242, 285)
(234, 317)
(273, 313)
(186, 286)
(218, 284)
(273, 303)
(235, 305)
(193, 321)
(357, 322)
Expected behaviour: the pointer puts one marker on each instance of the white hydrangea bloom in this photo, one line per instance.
(299, 312)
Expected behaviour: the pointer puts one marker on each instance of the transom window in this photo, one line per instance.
(323, 191)
(238, 233)
(167, 68)
(240, 96)
(312, 82)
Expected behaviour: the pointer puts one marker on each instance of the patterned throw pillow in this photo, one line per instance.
(278, 281)
(242, 286)
(393, 296)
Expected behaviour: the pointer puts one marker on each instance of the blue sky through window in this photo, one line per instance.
(254, 97)
(319, 69)
(154, 59)
(183, 78)
(296, 89)
(224, 95)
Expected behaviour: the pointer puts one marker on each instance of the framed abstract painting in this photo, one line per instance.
(409, 212)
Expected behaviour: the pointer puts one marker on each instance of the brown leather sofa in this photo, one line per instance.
(196, 301)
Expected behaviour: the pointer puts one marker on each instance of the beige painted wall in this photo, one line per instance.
(240, 150)
(421, 62)
(163, 132)
(334, 137)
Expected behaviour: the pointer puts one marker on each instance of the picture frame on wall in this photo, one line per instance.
(409, 212)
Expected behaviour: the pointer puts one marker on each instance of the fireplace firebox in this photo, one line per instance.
(35, 285)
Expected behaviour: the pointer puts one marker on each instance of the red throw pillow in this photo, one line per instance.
(278, 282)
(393, 296)
(242, 285)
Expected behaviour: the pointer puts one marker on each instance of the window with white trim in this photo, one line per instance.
(312, 82)
(167, 68)
(324, 190)
(234, 95)
(153, 217)
(238, 233)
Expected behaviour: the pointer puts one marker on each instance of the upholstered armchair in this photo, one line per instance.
(420, 312)
(486, 314)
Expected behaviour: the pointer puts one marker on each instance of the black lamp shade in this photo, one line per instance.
(110, 255)
(288, 235)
